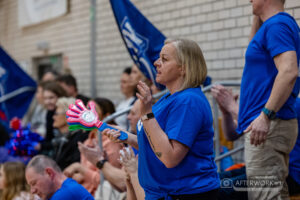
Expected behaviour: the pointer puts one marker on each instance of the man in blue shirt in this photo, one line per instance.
(268, 92)
(229, 108)
(48, 182)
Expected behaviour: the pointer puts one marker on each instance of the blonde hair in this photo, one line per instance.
(64, 102)
(15, 182)
(190, 57)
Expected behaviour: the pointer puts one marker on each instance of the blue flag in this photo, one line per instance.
(142, 39)
(16, 89)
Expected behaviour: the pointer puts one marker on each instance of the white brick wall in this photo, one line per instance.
(221, 27)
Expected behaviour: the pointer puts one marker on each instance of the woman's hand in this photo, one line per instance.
(113, 135)
(145, 97)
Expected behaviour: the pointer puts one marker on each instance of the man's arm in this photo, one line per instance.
(286, 64)
(115, 176)
(229, 108)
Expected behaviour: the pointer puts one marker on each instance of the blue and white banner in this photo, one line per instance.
(142, 39)
(16, 89)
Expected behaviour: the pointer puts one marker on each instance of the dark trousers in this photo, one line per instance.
(210, 195)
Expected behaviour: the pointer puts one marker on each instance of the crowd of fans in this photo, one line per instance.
(169, 152)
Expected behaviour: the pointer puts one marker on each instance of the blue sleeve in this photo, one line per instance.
(184, 123)
(279, 39)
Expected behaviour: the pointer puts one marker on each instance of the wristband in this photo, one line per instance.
(147, 116)
(100, 163)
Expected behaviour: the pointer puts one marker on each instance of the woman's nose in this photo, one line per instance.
(157, 62)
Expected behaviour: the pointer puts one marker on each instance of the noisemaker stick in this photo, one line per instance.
(79, 117)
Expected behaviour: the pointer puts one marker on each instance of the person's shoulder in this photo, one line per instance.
(190, 97)
(190, 94)
(281, 19)
(71, 188)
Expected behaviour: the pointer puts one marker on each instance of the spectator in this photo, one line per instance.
(91, 152)
(48, 182)
(13, 183)
(229, 109)
(86, 172)
(51, 92)
(175, 138)
(67, 150)
(268, 93)
(136, 75)
(128, 90)
(68, 82)
(36, 115)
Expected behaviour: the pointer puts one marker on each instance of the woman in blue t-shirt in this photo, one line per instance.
(175, 136)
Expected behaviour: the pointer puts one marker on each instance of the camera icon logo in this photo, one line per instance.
(226, 183)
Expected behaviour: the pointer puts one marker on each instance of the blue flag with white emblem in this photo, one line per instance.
(141, 38)
(16, 89)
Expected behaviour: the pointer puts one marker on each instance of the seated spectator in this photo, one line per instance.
(85, 172)
(128, 91)
(51, 92)
(47, 181)
(13, 183)
(92, 152)
(229, 108)
(67, 150)
(36, 115)
(68, 82)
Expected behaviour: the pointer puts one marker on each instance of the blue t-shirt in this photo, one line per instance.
(184, 116)
(278, 34)
(71, 190)
(294, 165)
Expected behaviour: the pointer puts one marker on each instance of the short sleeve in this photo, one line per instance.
(279, 39)
(184, 123)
